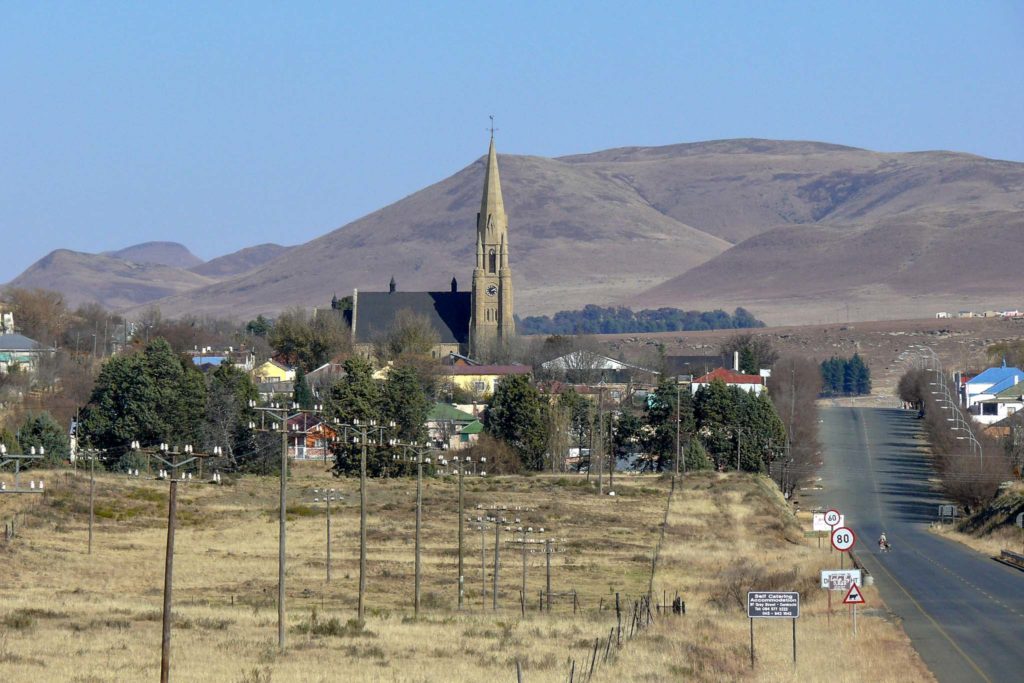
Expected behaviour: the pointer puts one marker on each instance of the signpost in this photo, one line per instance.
(772, 605)
(838, 580)
(947, 513)
(843, 540)
(1020, 524)
(853, 598)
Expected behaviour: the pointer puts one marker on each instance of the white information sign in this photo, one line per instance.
(819, 524)
(840, 579)
(1020, 520)
(843, 539)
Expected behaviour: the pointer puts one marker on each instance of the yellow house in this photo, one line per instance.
(480, 380)
(272, 371)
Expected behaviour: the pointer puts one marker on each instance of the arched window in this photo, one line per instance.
(492, 261)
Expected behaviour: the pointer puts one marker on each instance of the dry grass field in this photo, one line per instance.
(69, 616)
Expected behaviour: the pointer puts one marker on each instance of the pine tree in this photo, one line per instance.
(301, 393)
(355, 397)
(515, 416)
(716, 409)
(406, 403)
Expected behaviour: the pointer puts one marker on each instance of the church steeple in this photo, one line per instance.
(492, 322)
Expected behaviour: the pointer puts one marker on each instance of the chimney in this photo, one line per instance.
(736, 361)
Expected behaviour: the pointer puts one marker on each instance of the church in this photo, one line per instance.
(475, 322)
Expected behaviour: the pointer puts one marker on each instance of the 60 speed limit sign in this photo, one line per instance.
(843, 539)
(832, 517)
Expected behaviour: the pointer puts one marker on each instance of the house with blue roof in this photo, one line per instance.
(981, 390)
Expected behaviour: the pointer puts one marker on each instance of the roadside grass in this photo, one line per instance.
(69, 616)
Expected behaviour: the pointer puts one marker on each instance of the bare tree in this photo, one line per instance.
(794, 387)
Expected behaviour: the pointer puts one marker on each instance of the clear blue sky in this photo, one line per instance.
(223, 125)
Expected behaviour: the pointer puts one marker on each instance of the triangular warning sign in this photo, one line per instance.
(853, 596)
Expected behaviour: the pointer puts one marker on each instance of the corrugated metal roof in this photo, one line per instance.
(995, 375)
(18, 342)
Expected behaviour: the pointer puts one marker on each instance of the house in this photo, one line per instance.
(479, 380)
(731, 378)
(272, 371)
(321, 378)
(18, 352)
(275, 391)
(989, 383)
(446, 426)
(310, 437)
(590, 366)
(613, 392)
(694, 365)
(999, 405)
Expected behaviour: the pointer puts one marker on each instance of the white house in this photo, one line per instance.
(980, 390)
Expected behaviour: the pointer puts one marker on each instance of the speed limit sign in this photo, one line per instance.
(832, 517)
(843, 539)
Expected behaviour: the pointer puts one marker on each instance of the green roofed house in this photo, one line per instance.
(18, 352)
(446, 425)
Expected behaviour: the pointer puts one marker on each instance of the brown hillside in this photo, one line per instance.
(113, 282)
(158, 254)
(241, 261)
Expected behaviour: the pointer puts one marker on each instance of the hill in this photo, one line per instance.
(762, 224)
(794, 231)
(158, 254)
(112, 282)
(240, 261)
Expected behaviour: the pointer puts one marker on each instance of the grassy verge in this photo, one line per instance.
(992, 528)
(69, 616)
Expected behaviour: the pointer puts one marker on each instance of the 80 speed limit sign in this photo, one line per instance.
(843, 539)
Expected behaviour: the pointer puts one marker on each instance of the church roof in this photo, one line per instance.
(448, 313)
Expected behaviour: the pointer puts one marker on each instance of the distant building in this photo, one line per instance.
(467, 322)
(480, 380)
(272, 371)
(19, 352)
(989, 383)
(754, 383)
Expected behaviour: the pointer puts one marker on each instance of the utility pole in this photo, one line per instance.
(600, 439)
(678, 451)
(362, 528)
(281, 538)
(462, 575)
(497, 561)
(739, 438)
(419, 516)
(165, 643)
(547, 552)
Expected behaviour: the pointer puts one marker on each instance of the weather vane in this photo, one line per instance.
(492, 128)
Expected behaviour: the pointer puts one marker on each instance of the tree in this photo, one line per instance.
(716, 409)
(302, 395)
(515, 416)
(228, 414)
(259, 327)
(354, 397)
(39, 314)
(660, 435)
(796, 384)
(756, 352)
(406, 403)
(42, 431)
(308, 342)
(152, 397)
(578, 411)
(411, 334)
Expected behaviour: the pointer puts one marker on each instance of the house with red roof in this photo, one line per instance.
(755, 383)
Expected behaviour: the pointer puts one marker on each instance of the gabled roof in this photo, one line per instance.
(274, 363)
(729, 377)
(1010, 394)
(1002, 385)
(995, 375)
(488, 370)
(445, 411)
(474, 427)
(448, 313)
(18, 342)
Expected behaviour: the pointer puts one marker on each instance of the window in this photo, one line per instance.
(479, 386)
(989, 408)
(492, 262)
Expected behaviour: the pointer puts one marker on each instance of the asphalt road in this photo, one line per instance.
(963, 612)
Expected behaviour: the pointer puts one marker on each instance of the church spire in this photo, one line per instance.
(492, 206)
